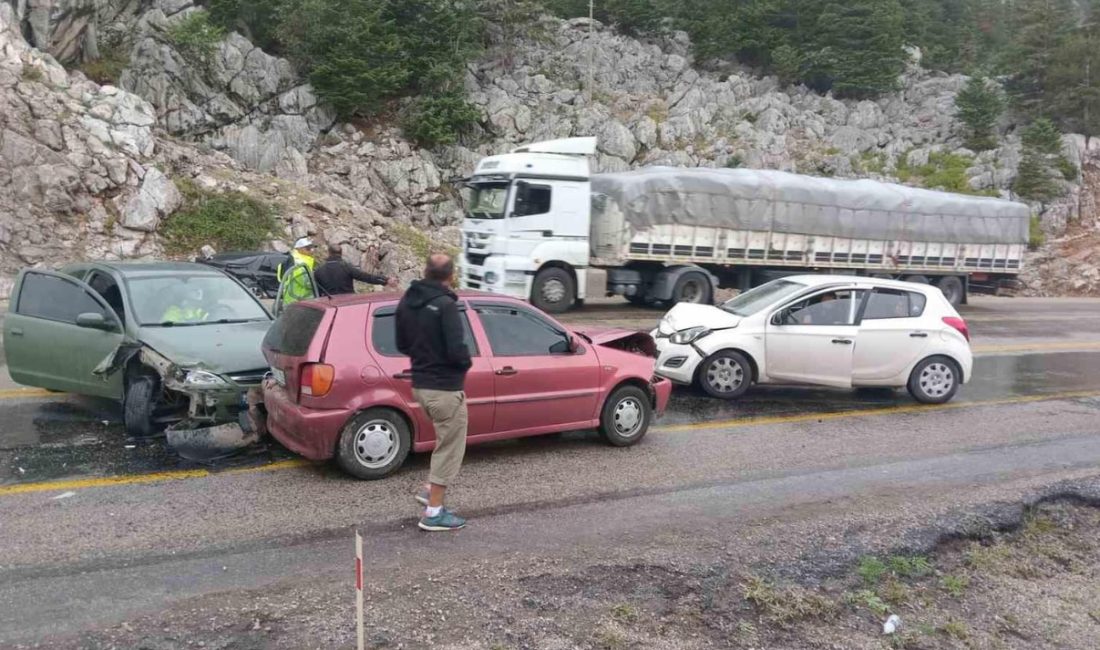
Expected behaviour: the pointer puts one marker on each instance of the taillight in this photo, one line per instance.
(316, 379)
(958, 324)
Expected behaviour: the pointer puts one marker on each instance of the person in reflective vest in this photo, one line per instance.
(187, 308)
(298, 285)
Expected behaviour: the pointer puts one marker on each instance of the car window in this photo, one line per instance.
(535, 201)
(293, 330)
(196, 299)
(892, 303)
(55, 298)
(383, 333)
(108, 289)
(829, 308)
(517, 332)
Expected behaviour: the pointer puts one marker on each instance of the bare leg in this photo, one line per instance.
(435, 495)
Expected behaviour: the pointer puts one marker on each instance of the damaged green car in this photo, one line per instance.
(171, 341)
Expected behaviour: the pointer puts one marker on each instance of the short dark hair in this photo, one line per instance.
(335, 250)
(440, 267)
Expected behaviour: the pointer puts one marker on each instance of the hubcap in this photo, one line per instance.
(553, 291)
(725, 375)
(376, 444)
(628, 417)
(937, 379)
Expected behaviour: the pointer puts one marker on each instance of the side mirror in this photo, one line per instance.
(94, 321)
(568, 346)
(779, 317)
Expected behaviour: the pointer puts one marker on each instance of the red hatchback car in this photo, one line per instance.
(339, 387)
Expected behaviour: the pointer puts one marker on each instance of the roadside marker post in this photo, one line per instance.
(359, 588)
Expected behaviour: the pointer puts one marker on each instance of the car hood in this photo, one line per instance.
(685, 315)
(620, 339)
(232, 347)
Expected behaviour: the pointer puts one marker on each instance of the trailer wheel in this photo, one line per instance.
(554, 290)
(952, 288)
(694, 288)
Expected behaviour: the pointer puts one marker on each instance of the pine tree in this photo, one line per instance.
(1073, 93)
(1034, 180)
(857, 49)
(979, 105)
(1040, 27)
(1042, 137)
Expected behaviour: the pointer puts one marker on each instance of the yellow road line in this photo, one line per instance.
(138, 479)
(1037, 347)
(862, 413)
(156, 477)
(23, 393)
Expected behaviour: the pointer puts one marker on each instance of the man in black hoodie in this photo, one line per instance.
(430, 331)
(337, 276)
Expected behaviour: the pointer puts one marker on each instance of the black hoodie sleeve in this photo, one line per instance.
(363, 276)
(454, 335)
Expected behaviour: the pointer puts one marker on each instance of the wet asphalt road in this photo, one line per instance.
(262, 519)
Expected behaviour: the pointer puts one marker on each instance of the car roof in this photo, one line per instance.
(148, 269)
(351, 299)
(828, 280)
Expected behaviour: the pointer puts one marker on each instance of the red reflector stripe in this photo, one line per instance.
(358, 574)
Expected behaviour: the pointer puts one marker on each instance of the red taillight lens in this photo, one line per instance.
(958, 324)
(316, 379)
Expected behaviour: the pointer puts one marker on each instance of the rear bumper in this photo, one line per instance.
(310, 433)
(662, 391)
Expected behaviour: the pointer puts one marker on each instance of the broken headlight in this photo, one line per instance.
(201, 378)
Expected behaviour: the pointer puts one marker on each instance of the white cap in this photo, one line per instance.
(304, 242)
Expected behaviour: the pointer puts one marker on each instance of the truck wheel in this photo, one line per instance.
(139, 404)
(554, 291)
(373, 444)
(692, 287)
(952, 288)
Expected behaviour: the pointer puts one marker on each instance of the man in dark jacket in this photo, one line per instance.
(431, 332)
(337, 275)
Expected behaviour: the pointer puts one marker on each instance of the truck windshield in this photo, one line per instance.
(486, 200)
(756, 299)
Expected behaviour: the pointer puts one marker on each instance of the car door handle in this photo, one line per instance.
(842, 341)
(919, 335)
(404, 374)
(15, 331)
(507, 370)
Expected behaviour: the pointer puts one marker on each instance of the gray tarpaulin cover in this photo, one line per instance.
(764, 200)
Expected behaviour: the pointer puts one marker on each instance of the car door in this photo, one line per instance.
(479, 380)
(45, 346)
(540, 385)
(891, 336)
(812, 340)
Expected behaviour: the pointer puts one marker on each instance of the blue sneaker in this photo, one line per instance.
(421, 497)
(445, 520)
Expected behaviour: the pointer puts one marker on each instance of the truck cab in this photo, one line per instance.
(528, 219)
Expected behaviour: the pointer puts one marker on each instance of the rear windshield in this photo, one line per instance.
(293, 331)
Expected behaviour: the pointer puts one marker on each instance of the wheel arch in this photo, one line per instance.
(636, 382)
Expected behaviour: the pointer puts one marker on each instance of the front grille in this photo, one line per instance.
(475, 259)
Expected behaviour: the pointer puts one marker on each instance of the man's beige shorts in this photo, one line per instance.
(447, 410)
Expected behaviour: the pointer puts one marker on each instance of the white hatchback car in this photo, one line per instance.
(823, 330)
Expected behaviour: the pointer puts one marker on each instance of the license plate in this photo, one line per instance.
(279, 375)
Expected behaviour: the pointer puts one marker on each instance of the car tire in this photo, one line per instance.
(139, 405)
(953, 289)
(374, 444)
(554, 290)
(692, 287)
(626, 416)
(935, 380)
(726, 374)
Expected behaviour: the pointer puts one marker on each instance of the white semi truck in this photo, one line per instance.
(539, 226)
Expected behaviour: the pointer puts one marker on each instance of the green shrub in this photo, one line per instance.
(230, 221)
(196, 37)
(1043, 137)
(871, 569)
(1034, 179)
(1066, 168)
(945, 171)
(734, 161)
(107, 69)
(258, 20)
(436, 120)
(1036, 237)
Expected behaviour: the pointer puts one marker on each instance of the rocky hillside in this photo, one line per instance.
(91, 171)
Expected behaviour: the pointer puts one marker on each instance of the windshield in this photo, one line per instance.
(172, 300)
(753, 301)
(486, 200)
